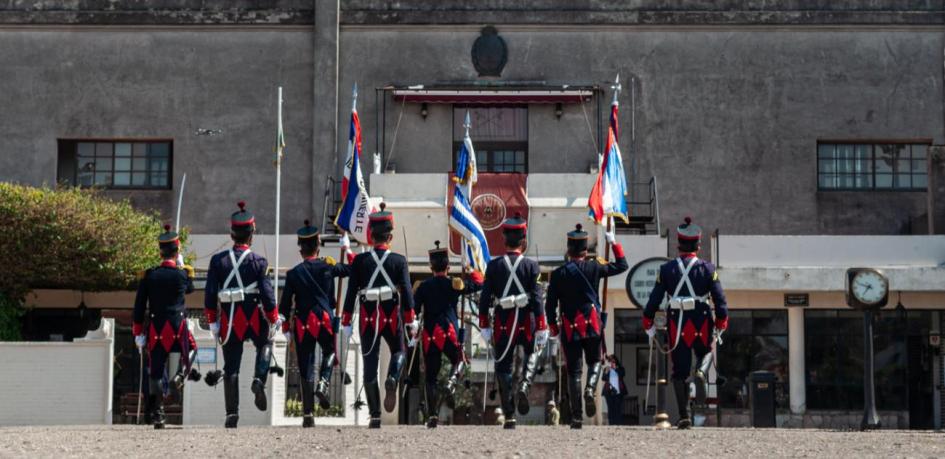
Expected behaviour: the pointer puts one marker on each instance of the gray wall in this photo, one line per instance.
(727, 116)
(727, 120)
(166, 83)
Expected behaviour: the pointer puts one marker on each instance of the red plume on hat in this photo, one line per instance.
(242, 217)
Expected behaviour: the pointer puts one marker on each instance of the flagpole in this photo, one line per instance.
(279, 140)
(342, 253)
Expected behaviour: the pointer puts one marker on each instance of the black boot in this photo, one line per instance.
(308, 421)
(393, 379)
(373, 394)
(231, 397)
(321, 390)
(681, 390)
(157, 403)
(574, 398)
(432, 422)
(308, 400)
(263, 361)
(506, 398)
(432, 401)
(590, 392)
(531, 366)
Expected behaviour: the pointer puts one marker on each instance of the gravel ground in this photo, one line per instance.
(416, 441)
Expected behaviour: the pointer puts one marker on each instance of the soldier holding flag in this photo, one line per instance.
(573, 288)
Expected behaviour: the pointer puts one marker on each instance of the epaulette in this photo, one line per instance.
(458, 284)
(330, 261)
(601, 260)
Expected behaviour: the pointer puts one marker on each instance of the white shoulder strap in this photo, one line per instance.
(235, 272)
(513, 276)
(379, 269)
(685, 277)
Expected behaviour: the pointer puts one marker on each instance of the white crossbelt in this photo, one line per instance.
(513, 301)
(378, 294)
(235, 295)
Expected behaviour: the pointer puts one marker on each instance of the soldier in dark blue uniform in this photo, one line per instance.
(436, 299)
(380, 282)
(688, 282)
(573, 288)
(237, 283)
(310, 286)
(511, 290)
(170, 344)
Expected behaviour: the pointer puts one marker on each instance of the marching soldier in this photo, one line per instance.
(381, 284)
(310, 287)
(511, 290)
(689, 283)
(170, 344)
(436, 298)
(573, 288)
(237, 283)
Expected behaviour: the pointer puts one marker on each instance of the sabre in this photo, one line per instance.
(140, 383)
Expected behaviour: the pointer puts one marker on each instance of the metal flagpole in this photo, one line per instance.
(279, 146)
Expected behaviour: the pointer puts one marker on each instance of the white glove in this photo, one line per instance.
(412, 328)
(345, 242)
(486, 334)
(347, 331)
(180, 260)
(215, 330)
(412, 342)
(276, 326)
(541, 338)
(651, 332)
(288, 336)
(611, 237)
(140, 341)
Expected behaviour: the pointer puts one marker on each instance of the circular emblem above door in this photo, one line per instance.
(489, 53)
(490, 210)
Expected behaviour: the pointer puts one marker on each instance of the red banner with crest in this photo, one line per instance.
(495, 197)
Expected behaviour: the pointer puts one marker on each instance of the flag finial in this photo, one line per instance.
(354, 96)
(467, 124)
(616, 87)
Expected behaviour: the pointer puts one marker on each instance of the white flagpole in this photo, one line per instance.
(275, 272)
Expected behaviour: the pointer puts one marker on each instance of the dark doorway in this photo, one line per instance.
(921, 396)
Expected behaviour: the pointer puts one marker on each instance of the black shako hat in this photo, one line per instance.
(242, 218)
(307, 232)
(439, 254)
(382, 221)
(577, 239)
(168, 238)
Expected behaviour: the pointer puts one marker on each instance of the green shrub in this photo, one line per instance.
(69, 238)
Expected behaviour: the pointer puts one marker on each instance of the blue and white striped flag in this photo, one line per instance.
(462, 219)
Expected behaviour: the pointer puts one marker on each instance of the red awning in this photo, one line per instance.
(493, 96)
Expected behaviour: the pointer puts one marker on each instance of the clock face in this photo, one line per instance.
(869, 287)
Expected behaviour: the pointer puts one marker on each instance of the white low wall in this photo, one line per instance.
(44, 383)
(204, 405)
(823, 251)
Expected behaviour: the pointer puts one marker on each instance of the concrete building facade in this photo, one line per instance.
(789, 118)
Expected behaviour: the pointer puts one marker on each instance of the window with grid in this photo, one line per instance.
(499, 135)
(116, 164)
(872, 166)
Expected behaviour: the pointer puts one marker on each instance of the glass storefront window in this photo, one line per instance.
(834, 345)
(756, 340)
